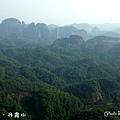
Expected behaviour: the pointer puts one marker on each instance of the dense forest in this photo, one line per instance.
(71, 79)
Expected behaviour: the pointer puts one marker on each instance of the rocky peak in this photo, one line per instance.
(75, 38)
(95, 31)
(42, 26)
(45, 32)
(24, 25)
(66, 31)
(74, 41)
(32, 32)
(83, 33)
(9, 26)
(11, 22)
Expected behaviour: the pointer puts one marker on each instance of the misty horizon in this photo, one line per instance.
(102, 26)
(61, 12)
(52, 23)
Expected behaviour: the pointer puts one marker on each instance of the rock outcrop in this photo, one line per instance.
(10, 26)
(32, 32)
(74, 41)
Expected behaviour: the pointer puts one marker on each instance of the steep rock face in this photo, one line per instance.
(83, 33)
(13, 27)
(66, 31)
(96, 97)
(101, 44)
(24, 25)
(74, 41)
(75, 38)
(32, 32)
(52, 26)
(103, 40)
(10, 26)
(45, 33)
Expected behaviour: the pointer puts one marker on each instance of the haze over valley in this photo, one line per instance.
(61, 72)
(47, 34)
(59, 60)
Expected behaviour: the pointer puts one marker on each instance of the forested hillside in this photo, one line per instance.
(71, 79)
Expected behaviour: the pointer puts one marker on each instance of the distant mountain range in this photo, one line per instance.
(40, 32)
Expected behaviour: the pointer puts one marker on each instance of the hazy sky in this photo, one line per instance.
(61, 12)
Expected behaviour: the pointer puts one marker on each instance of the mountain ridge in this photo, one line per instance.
(49, 33)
